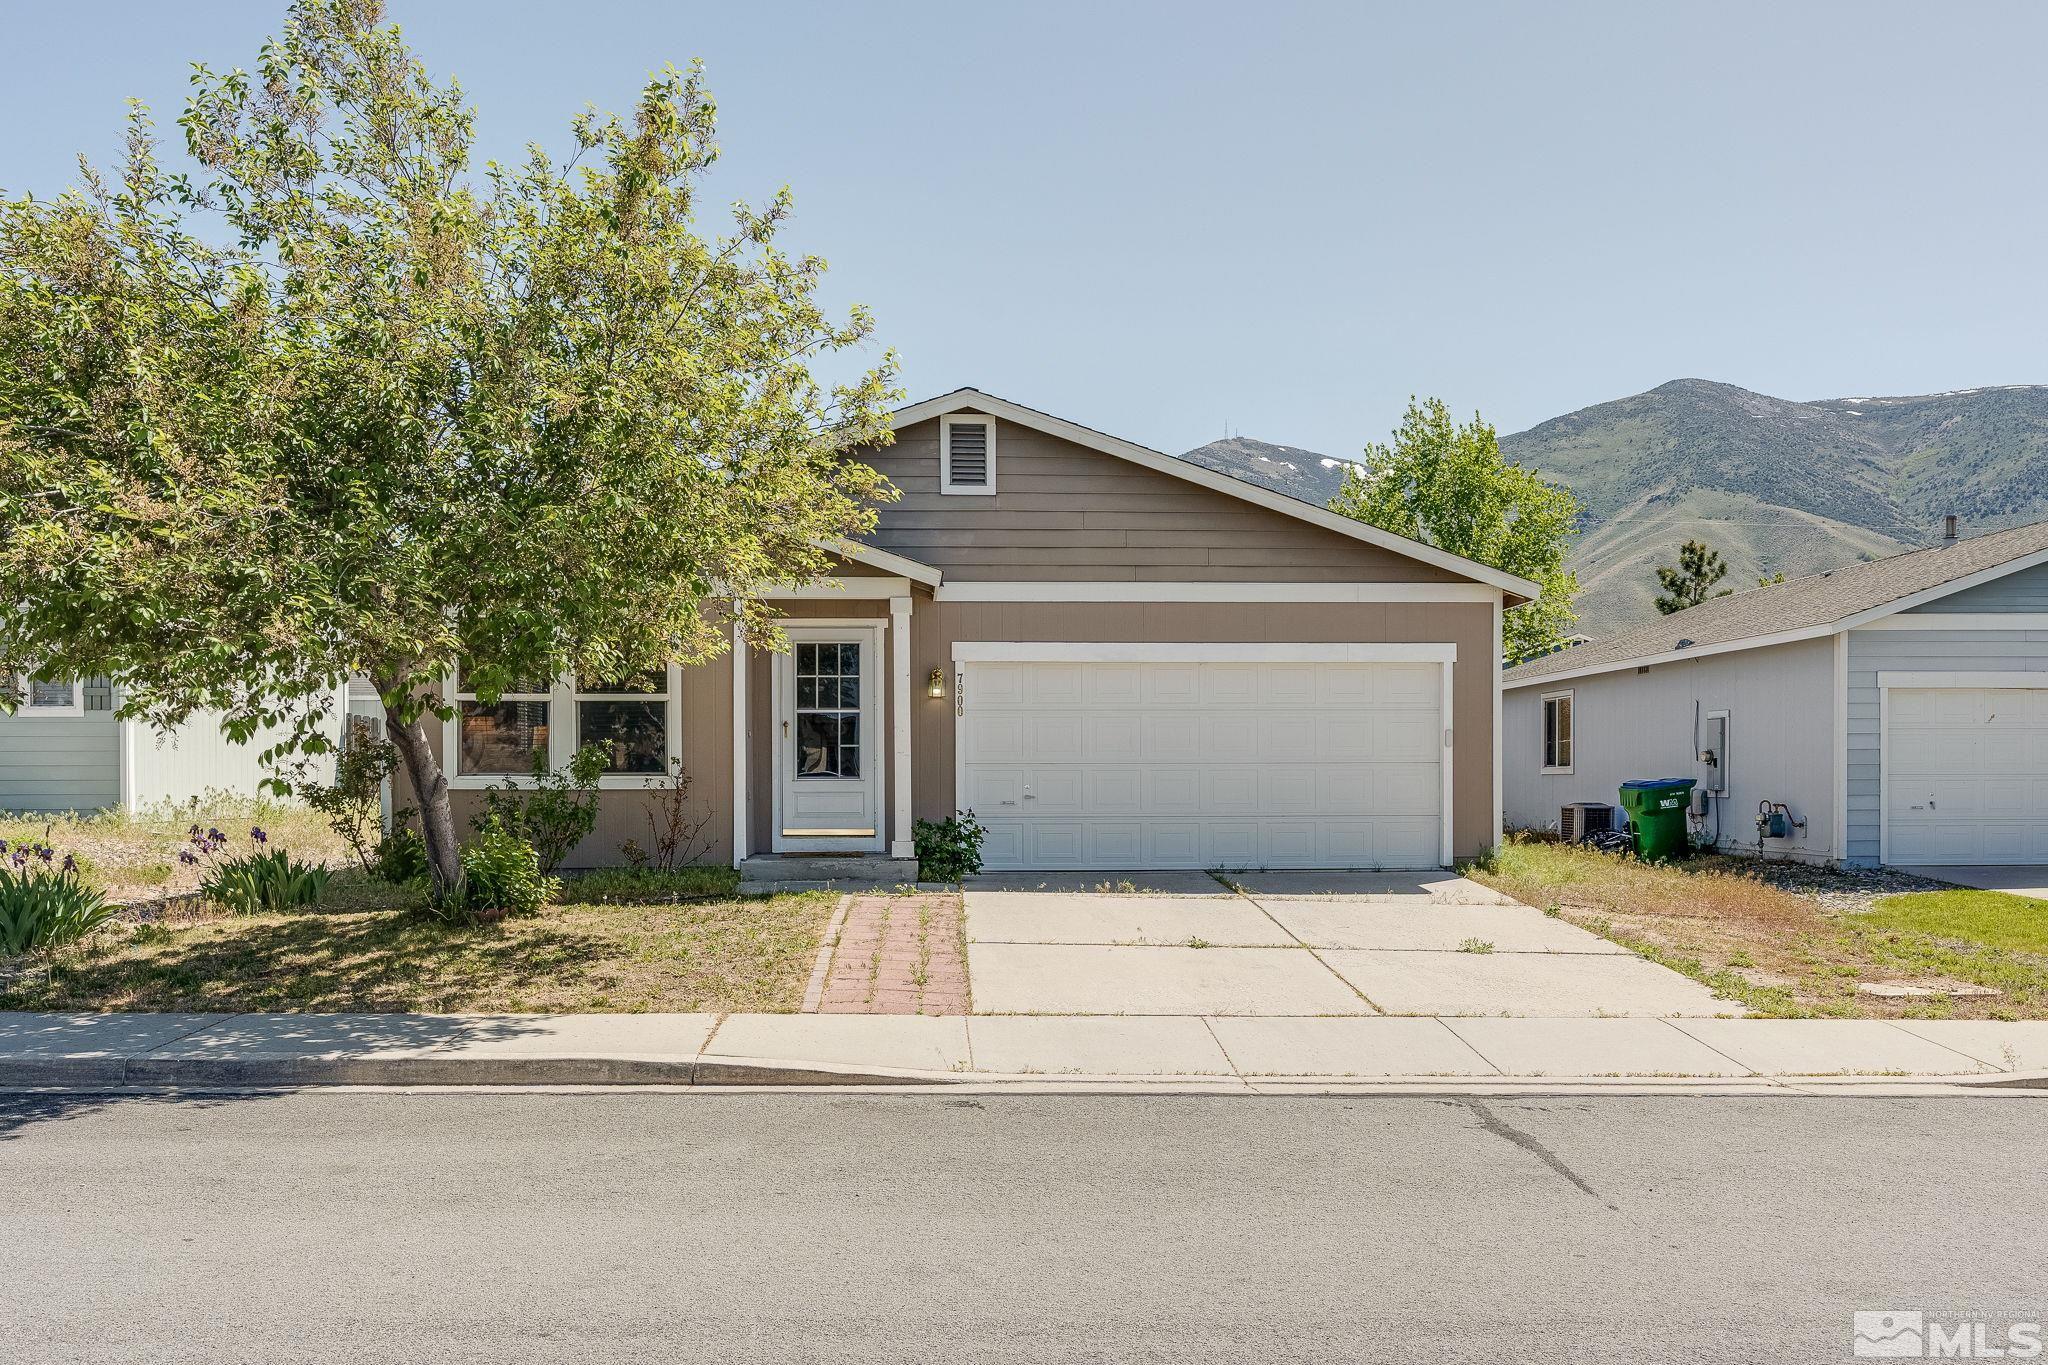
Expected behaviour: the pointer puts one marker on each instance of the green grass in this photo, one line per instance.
(628, 885)
(1993, 918)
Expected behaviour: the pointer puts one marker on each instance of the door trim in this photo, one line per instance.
(873, 751)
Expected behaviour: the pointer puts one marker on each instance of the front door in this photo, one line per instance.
(828, 781)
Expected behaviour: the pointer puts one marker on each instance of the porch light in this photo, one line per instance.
(935, 686)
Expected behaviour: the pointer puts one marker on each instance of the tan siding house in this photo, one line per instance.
(1115, 658)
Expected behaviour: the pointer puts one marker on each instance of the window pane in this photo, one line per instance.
(42, 692)
(503, 739)
(827, 745)
(634, 733)
(849, 660)
(654, 682)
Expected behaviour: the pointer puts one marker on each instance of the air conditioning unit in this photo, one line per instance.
(1581, 820)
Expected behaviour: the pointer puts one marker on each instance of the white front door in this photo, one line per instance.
(828, 755)
(1966, 775)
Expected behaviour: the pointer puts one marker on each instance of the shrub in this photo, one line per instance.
(559, 811)
(501, 874)
(354, 802)
(949, 849)
(46, 907)
(678, 832)
(271, 882)
(401, 855)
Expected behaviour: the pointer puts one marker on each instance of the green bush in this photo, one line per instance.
(44, 907)
(271, 882)
(501, 874)
(401, 856)
(557, 813)
(949, 849)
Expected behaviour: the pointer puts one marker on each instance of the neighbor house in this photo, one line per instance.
(1115, 658)
(1898, 710)
(65, 749)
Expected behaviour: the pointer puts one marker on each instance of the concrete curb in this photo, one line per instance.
(289, 1072)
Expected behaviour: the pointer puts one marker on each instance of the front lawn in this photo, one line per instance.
(1791, 940)
(366, 949)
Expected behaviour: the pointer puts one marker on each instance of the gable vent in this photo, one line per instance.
(967, 455)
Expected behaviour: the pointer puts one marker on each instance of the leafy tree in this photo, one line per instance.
(1692, 582)
(333, 400)
(1448, 485)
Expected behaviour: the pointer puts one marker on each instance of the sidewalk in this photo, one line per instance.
(1142, 1052)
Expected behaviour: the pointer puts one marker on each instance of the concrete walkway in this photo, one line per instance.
(263, 1050)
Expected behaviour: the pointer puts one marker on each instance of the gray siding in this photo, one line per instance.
(1923, 651)
(2026, 590)
(1062, 511)
(66, 763)
(1628, 724)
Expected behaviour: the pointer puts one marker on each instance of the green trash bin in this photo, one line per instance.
(1656, 813)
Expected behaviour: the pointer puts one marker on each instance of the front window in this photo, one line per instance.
(628, 719)
(1557, 732)
(502, 738)
(828, 684)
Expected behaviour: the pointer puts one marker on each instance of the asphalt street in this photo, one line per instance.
(464, 1226)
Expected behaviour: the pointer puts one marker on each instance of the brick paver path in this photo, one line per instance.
(899, 955)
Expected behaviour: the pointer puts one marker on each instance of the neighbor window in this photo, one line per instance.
(1557, 732)
(501, 738)
(628, 718)
(967, 454)
(44, 697)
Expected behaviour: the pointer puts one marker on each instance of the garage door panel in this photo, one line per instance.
(1212, 765)
(1966, 775)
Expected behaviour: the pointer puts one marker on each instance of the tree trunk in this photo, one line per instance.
(430, 789)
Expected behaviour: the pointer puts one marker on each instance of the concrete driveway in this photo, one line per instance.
(2020, 879)
(1287, 943)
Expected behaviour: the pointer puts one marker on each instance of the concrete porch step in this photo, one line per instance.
(839, 869)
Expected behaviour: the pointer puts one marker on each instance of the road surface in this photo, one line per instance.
(469, 1227)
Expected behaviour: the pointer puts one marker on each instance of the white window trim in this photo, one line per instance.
(563, 736)
(946, 484)
(1048, 591)
(25, 711)
(1571, 740)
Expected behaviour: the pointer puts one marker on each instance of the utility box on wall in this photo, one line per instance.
(1713, 755)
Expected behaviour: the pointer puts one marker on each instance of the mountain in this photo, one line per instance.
(1774, 485)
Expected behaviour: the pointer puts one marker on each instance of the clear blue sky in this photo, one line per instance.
(1159, 218)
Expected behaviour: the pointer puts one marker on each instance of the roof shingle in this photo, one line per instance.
(1817, 600)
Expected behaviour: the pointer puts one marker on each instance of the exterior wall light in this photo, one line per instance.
(935, 686)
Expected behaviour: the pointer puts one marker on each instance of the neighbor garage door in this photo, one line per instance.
(1966, 775)
(1237, 764)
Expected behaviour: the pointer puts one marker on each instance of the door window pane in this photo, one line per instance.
(827, 706)
(633, 734)
(502, 739)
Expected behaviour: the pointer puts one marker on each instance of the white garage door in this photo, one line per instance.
(1219, 765)
(1966, 775)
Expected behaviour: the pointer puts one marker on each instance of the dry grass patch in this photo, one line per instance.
(135, 857)
(1779, 951)
(364, 950)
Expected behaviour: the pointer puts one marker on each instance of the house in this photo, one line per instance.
(65, 749)
(1897, 708)
(1115, 658)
